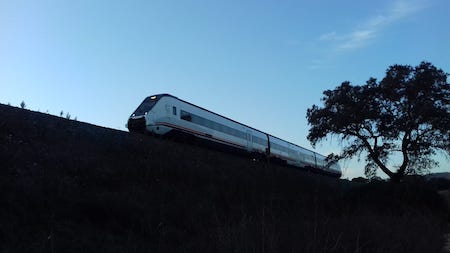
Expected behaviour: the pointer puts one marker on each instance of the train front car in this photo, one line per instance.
(138, 120)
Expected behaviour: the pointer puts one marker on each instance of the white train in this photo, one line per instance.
(163, 114)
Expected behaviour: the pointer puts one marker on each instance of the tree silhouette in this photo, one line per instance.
(406, 115)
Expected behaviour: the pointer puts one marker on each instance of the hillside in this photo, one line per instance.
(68, 186)
(444, 175)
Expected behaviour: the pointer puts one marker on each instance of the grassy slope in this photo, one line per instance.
(68, 186)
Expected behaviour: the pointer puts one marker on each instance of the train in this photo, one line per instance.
(165, 114)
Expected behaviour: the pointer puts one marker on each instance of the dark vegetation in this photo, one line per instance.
(68, 186)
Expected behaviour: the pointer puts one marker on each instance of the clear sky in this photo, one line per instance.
(262, 63)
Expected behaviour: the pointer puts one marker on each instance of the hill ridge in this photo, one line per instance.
(76, 187)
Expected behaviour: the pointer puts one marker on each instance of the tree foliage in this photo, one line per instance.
(406, 115)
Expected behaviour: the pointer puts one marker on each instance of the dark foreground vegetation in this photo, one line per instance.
(68, 186)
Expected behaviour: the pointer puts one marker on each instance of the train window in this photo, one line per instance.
(208, 124)
(174, 110)
(144, 107)
(185, 116)
(212, 125)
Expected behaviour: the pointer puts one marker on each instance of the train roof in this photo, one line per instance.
(184, 101)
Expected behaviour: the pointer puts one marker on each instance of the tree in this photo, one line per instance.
(23, 105)
(404, 116)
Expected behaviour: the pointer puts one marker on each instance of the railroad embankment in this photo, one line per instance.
(69, 186)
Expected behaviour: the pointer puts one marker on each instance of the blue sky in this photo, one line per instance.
(262, 63)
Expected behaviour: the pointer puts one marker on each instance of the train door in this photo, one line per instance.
(171, 111)
(249, 140)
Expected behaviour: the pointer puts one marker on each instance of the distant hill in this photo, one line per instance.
(445, 175)
(69, 186)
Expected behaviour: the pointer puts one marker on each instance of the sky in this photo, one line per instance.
(262, 63)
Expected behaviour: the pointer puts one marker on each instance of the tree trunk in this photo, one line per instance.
(397, 177)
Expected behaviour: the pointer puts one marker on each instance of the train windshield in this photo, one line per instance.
(145, 106)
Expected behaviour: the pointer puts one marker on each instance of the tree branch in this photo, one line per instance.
(373, 152)
(405, 143)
